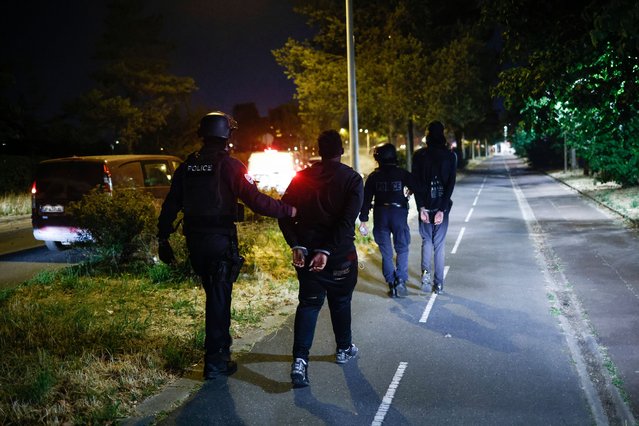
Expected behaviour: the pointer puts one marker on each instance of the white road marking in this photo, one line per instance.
(475, 202)
(470, 212)
(459, 237)
(390, 393)
(482, 186)
(429, 306)
(431, 301)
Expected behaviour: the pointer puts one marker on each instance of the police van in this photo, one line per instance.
(61, 181)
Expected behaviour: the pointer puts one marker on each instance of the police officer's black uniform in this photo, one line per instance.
(386, 185)
(328, 197)
(206, 188)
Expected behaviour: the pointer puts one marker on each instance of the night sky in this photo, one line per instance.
(224, 45)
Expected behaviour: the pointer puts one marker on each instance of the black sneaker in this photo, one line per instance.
(342, 356)
(400, 289)
(299, 373)
(438, 288)
(392, 290)
(220, 368)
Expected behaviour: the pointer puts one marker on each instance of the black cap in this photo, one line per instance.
(329, 143)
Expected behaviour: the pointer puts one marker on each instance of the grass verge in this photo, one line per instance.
(15, 204)
(612, 195)
(80, 346)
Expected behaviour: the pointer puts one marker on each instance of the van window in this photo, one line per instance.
(129, 175)
(69, 180)
(156, 174)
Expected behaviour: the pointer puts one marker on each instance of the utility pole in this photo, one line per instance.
(353, 129)
(565, 155)
(409, 146)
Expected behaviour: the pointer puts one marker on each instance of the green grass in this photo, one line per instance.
(84, 345)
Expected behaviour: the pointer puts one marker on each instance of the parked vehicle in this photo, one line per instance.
(61, 181)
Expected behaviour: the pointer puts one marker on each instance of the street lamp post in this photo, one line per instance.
(352, 92)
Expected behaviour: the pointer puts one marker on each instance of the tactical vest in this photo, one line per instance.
(389, 187)
(203, 202)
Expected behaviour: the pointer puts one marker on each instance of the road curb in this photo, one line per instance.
(633, 222)
(175, 393)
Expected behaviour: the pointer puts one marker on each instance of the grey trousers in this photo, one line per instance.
(434, 240)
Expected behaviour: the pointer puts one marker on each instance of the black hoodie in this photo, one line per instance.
(430, 162)
(328, 197)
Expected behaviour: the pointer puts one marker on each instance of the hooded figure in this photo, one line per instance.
(328, 196)
(434, 170)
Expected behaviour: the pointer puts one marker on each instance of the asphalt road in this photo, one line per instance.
(540, 306)
(22, 256)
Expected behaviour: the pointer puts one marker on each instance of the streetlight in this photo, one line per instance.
(352, 92)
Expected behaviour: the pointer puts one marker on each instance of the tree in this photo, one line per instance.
(575, 77)
(390, 78)
(320, 80)
(405, 50)
(456, 89)
(135, 93)
(286, 125)
(251, 127)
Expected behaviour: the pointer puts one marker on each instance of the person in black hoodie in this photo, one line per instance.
(328, 196)
(206, 188)
(434, 169)
(388, 185)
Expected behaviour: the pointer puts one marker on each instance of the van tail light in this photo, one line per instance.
(108, 183)
(34, 191)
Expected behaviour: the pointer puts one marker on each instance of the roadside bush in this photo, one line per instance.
(119, 227)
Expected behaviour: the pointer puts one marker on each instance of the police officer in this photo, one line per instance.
(328, 196)
(206, 188)
(435, 172)
(389, 185)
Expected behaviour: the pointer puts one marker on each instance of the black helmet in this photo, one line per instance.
(385, 153)
(216, 124)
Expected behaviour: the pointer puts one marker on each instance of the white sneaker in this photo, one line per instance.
(299, 373)
(342, 356)
(426, 288)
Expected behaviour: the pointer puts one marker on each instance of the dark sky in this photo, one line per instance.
(224, 45)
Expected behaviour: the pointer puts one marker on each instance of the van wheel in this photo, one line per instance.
(55, 245)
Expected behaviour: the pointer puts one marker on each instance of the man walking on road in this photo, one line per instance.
(206, 188)
(328, 196)
(435, 171)
(387, 185)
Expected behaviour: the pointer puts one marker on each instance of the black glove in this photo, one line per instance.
(165, 252)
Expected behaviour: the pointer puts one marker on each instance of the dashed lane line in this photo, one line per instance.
(431, 301)
(390, 394)
(459, 238)
(470, 212)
